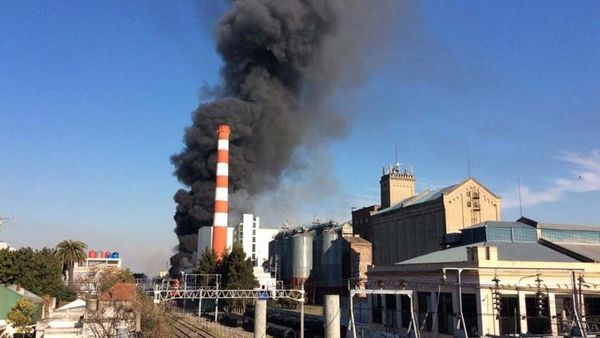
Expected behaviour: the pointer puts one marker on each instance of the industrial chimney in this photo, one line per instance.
(219, 240)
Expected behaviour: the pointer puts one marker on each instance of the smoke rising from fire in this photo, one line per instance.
(284, 63)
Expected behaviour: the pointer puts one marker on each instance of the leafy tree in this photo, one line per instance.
(39, 271)
(21, 315)
(70, 252)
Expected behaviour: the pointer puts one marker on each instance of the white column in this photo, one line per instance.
(332, 316)
(552, 311)
(523, 312)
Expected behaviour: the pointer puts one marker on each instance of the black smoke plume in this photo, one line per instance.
(284, 61)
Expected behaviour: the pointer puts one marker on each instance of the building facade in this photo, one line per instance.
(409, 225)
(504, 278)
(253, 239)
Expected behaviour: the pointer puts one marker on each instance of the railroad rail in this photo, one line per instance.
(185, 328)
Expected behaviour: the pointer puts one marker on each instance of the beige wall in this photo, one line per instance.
(403, 234)
(460, 205)
(395, 188)
(418, 229)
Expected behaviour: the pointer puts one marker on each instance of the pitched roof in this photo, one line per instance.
(432, 195)
(498, 224)
(120, 292)
(507, 251)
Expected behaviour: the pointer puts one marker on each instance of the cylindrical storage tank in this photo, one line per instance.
(92, 254)
(331, 257)
(286, 258)
(106, 254)
(114, 255)
(301, 257)
(318, 254)
(99, 254)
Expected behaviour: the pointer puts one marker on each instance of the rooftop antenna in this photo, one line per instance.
(468, 161)
(520, 202)
(396, 152)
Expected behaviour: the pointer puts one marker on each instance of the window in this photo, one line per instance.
(445, 314)
(405, 308)
(469, 308)
(376, 309)
(390, 311)
(425, 310)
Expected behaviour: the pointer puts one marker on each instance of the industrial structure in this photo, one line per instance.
(321, 257)
(409, 224)
(219, 235)
(499, 278)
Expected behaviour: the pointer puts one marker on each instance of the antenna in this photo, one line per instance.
(396, 152)
(468, 161)
(520, 202)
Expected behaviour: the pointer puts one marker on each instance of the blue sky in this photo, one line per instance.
(94, 97)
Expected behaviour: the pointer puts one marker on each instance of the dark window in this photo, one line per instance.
(537, 322)
(405, 308)
(445, 314)
(390, 311)
(469, 309)
(510, 322)
(376, 309)
(425, 310)
(592, 308)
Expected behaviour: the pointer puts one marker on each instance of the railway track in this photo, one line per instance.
(183, 327)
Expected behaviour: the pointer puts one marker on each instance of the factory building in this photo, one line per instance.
(322, 257)
(410, 224)
(500, 279)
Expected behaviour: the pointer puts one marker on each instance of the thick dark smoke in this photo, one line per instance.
(284, 60)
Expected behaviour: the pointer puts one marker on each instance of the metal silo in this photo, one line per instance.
(301, 255)
(331, 257)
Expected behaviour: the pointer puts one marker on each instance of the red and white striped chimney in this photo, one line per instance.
(219, 240)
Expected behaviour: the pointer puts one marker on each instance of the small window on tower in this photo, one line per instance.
(468, 194)
(468, 204)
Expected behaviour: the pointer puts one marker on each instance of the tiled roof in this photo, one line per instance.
(120, 292)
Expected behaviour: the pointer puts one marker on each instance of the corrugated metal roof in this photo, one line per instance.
(423, 197)
(568, 227)
(591, 251)
(499, 224)
(507, 251)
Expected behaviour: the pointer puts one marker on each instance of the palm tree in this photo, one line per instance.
(70, 252)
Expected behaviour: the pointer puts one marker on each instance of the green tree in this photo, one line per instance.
(70, 252)
(207, 263)
(39, 271)
(21, 315)
(237, 272)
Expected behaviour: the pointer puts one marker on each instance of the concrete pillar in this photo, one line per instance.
(260, 318)
(523, 312)
(332, 316)
(552, 311)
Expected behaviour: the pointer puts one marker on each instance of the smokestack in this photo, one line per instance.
(219, 241)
